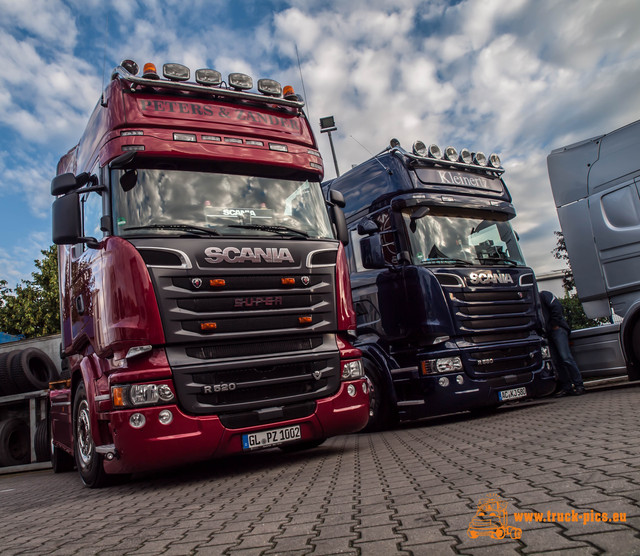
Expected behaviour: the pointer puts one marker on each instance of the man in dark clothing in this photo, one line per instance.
(558, 333)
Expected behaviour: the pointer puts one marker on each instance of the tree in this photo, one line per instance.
(573, 310)
(33, 308)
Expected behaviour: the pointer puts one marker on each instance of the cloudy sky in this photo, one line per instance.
(518, 77)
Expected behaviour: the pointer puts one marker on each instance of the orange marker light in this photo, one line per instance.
(305, 320)
(117, 397)
(217, 282)
(208, 326)
(149, 71)
(288, 281)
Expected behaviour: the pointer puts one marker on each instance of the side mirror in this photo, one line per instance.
(366, 227)
(337, 198)
(66, 220)
(339, 223)
(63, 184)
(129, 179)
(371, 252)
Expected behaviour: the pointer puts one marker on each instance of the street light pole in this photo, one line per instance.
(327, 125)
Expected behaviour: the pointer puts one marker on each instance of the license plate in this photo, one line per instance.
(513, 394)
(264, 439)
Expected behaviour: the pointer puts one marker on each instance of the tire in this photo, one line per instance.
(380, 412)
(18, 377)
(7, 386)
(633, 361)
(32, 369)
(88, 461)
(299, 446)
(15, 446)
(42, 441)
(499, 534)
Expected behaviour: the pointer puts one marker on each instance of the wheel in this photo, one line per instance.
(299, 446)
(472, 534)
(380, 412)
(15, 447)
(633, 365)
(499, 533)
(88, 461)
(515, 532)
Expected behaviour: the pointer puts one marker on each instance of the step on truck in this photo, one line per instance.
(204, 295)
(448, 313)
(596, 185)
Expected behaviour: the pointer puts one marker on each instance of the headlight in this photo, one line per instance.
(448, 364)
(442, 365)
(136, 395)
(352, 369)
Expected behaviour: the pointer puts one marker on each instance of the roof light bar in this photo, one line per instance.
(480, 158)
(149, 71)
(209, 77)
(435, 151)
(269, 87)
(176, 72)
(240, 81)
(419, 148)
(451, 154)
(465, 156)
(130, 66)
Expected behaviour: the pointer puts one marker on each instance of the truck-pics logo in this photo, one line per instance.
(215, 255)
(492, 520)
(489, 277)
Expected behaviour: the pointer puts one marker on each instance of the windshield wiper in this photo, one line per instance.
(447, 260)
(498, 260)
(200, 230)
(282, 230)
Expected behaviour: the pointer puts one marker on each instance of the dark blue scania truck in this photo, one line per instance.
(448, 314)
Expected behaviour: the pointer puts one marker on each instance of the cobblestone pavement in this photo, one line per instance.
(413, 490)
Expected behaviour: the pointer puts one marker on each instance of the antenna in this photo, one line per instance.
(104, 56)
(372, 155)
(304, 92)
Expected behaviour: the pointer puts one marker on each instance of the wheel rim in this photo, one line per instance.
(84, 441)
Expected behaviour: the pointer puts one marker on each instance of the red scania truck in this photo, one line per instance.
(204, 292)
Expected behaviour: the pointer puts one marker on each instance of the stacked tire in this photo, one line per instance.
(25, 371)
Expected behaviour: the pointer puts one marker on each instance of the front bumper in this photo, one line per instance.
(434, 396)
(189, 438)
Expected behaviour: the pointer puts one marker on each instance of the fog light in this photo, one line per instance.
(165, 417)
(365, 387)
(443, 381)
(351, 390)
(460, 379)
(137, 420)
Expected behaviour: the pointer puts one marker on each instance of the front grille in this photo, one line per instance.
(253, 348)
(515, 359)
(247, 384)
(493, 312)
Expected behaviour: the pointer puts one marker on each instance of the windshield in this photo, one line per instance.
(443, 237)
(172, 202)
